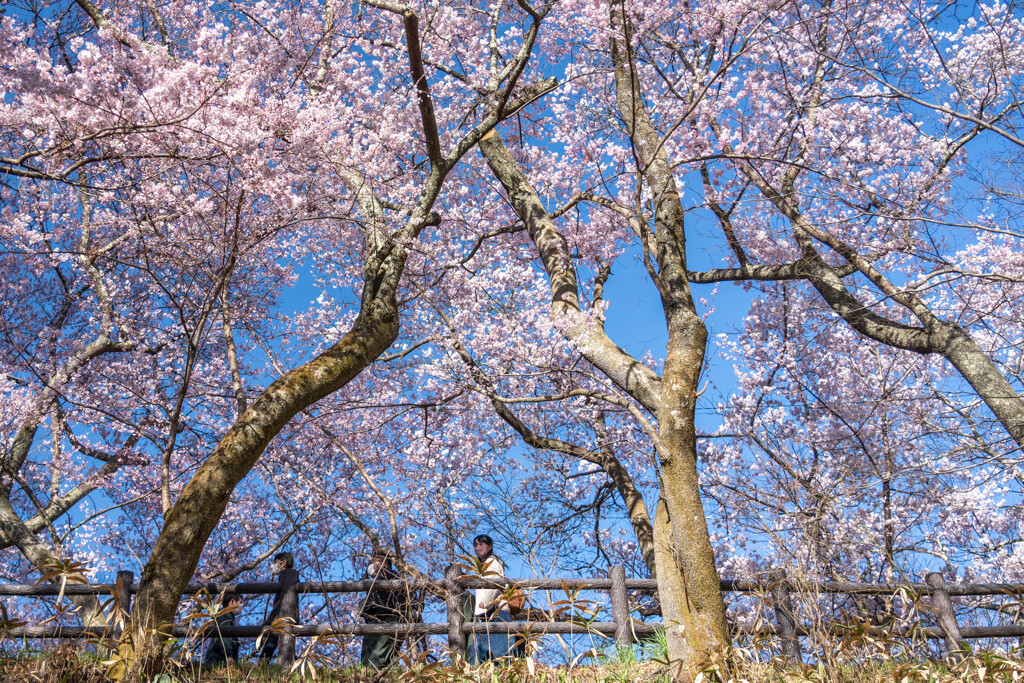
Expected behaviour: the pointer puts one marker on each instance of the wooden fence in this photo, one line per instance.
(623, 629)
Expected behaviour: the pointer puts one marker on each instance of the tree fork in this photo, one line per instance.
(686, 568)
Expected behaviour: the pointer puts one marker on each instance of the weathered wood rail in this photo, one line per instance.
(624, 630)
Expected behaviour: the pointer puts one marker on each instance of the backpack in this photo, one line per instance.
(516, 601)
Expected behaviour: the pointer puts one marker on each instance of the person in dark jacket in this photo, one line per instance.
(284, 568)
(221, 649)
(382, 606)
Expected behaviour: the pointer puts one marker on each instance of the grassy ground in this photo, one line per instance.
(69, 665)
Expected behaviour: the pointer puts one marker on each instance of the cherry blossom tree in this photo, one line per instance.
(171, 172)
(866, 468)
(858, 214)
(894, 233)
(820, 141)
(321, 115)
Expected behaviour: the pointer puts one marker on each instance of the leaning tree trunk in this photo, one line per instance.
(193, 517)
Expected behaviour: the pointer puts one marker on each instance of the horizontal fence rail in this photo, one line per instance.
(513, 627)
(310, 630)
(623, 629)
(727, 586)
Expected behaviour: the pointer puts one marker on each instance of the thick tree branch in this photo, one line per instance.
(764, 273)
(426, 104)
(633, 377)
(419, 78)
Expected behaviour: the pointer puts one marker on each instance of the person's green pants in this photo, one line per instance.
(379, 651)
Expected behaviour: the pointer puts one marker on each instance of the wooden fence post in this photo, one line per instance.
(943, 607)
(289, 610)
(620, 606)
(785, 616)
(453, 606)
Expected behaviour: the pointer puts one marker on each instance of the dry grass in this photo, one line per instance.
(863, 655)
(68, 665)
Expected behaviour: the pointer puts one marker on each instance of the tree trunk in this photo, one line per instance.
(684, 561)
(199, 507)
(691, 579)
(687, 576)
(636, 508)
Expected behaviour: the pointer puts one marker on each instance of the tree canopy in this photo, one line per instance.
(333, 276)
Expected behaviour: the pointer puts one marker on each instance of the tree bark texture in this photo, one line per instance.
(684, 560)
(693, 578)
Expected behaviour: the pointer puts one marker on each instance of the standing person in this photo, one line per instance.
(284, 568)
(382, 606)
(221, 649)
(490, 604)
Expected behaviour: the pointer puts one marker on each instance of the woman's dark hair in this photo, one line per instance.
(484, 538)
(289, 559)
